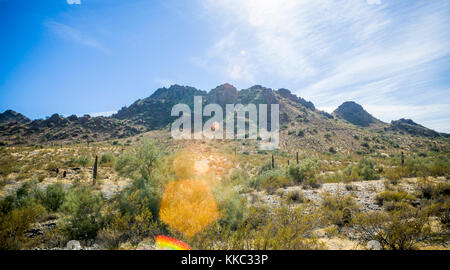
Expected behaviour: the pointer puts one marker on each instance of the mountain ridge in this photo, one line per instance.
(153, 113)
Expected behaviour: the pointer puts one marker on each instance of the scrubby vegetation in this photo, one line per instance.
(261, 199)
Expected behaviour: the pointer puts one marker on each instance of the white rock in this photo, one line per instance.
(373, 245)
(73, 245)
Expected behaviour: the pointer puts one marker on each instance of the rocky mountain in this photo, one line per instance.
(411, 127)
(154, 111)
(302, 125)
(72, 128)
(11, 116)
(355, 114)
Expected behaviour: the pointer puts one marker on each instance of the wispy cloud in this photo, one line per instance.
(74, 2)
(70, 33)
(163, 82)
(108, 113)
(374, 52)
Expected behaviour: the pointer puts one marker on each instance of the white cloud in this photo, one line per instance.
(68, 32)
(374, 2)
(371, 51)
(72, 2)
(107, 113)
(163, 82)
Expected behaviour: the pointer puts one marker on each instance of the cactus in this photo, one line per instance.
(95, 169)
(288, 162)
(297, 157)
(273, 162)
(403, 159)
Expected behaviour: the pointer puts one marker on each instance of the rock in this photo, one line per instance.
(73, 245)
(373, 245)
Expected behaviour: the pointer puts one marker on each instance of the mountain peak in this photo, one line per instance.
(223, 94)
(355, 114)
(411, 127)
(10, 116)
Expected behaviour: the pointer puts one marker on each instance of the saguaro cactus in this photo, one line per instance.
(95, 169)
(297, 157)
(403, 159)
(273, 162)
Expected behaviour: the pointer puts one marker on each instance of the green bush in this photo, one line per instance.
(106, 159)
(337, 209)
(397, 230)
(365, 170)
(54, 197)
(296, 196)
(82, 161)
(266, 166)
(271, 180)
(140, 164)
(394, 196)
(14, 224)
(83, 210)
(303, 171)
(129, 226)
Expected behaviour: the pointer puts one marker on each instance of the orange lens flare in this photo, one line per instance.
(188, 206)
(201, 167)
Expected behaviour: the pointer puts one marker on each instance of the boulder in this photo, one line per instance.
(373, 245)
(73, 245)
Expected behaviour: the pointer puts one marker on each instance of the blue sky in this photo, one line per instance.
(393, 57)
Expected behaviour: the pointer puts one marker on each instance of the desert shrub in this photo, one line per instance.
(396, 230)
(312, 182)
(440, 166)
(271, 180)
(266, 166)
(239, 177)
(131, 224)
(336, 208)
(434, 191)
(107, 159)
(140, 164)
(54, 197)
(397, 206)
(140, 190)
(295, 196)
(54, 238)
(430, 166)
(232, 206)
(287, 228)
(82, 161)
(24, 197)
(365, 170)
(15, 223)
(83, 210)
(303, 171)
(394, 196)
(393, 174)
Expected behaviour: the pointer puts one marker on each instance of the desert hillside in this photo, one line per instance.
(344, 180)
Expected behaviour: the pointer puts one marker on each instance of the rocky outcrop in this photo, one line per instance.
(412, 128)
(10, 116)
(354, 113)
